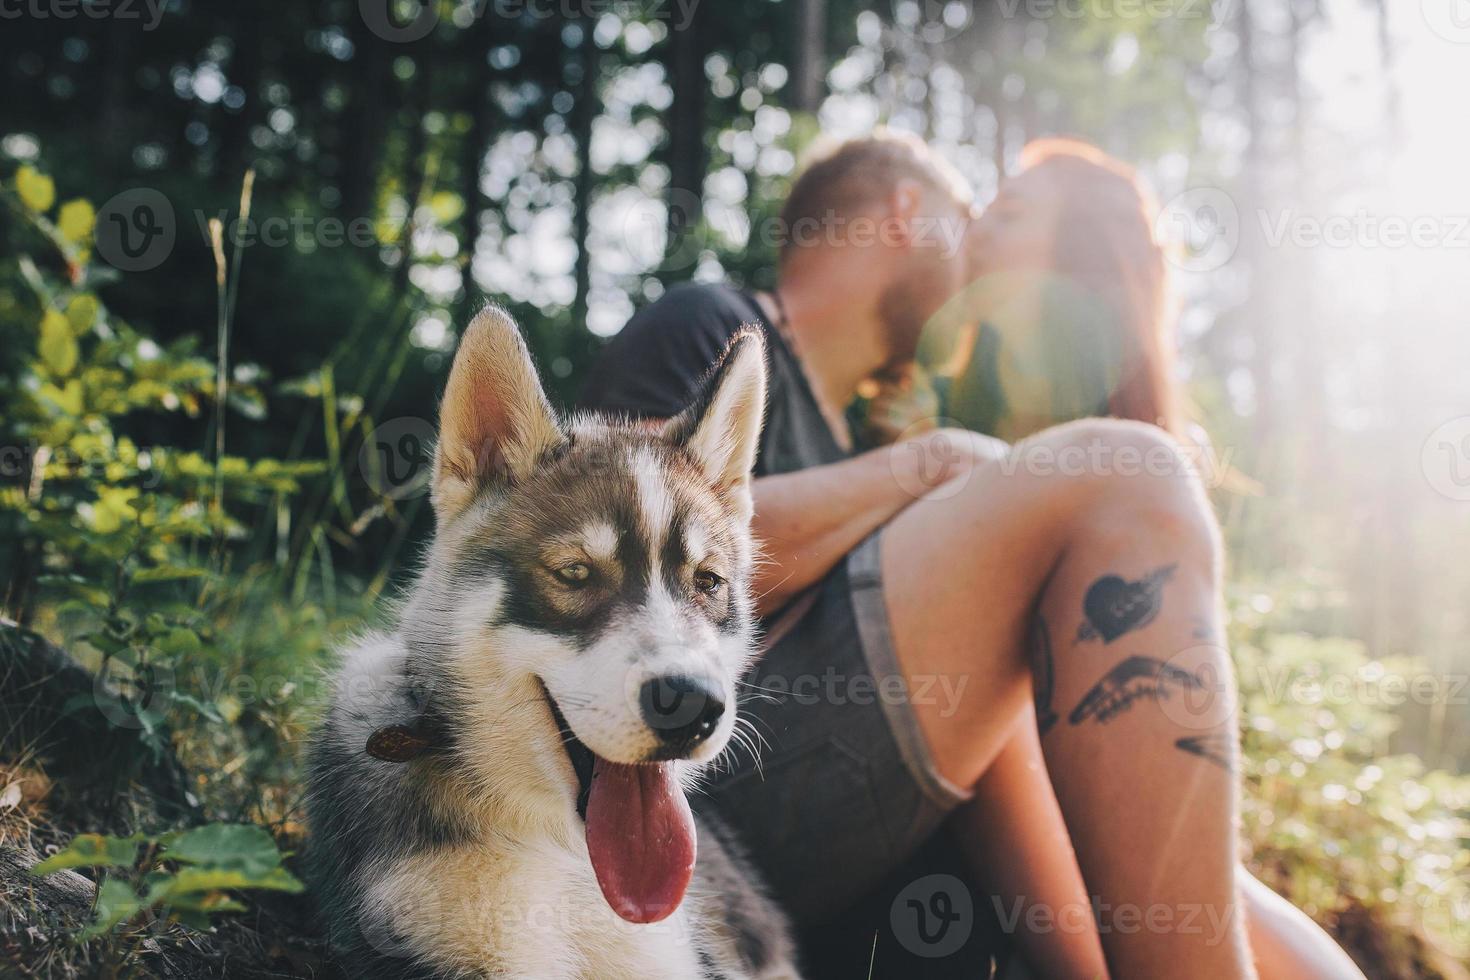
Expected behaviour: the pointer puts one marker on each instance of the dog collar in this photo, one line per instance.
(398, 743)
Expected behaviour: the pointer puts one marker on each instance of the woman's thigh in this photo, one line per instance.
(965, 567)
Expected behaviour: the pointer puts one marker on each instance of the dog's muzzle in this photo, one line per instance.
(681, 711)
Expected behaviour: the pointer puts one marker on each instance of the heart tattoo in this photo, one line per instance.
(1114, 606)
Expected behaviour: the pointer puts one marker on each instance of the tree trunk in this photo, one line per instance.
(1257, 317)
(586, 109)
(415, 167)
(246, 67)
(481, 110)
(364, 124)
(809, 50)
(686, 150)
(115, 119)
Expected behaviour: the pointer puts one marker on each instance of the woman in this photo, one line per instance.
(1069, 313)
(1068, 316)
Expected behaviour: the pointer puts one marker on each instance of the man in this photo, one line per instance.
(932, 605)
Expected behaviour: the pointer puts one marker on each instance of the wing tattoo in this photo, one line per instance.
(1134, 679)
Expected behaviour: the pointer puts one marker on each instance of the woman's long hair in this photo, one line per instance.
(1105, 243)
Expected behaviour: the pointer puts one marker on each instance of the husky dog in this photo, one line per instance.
(498, 789)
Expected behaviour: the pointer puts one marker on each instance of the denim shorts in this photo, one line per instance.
(845, 790)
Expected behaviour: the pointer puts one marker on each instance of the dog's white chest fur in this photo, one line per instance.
(528, 908)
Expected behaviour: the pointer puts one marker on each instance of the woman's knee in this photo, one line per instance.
(1103, 448)
(1097, 479)
(1129, 477)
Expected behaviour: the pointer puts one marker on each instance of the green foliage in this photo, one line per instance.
(131, 548)
(1351, 833)
(186, 877)
(92, 851)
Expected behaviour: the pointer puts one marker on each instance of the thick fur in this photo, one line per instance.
(470, 859)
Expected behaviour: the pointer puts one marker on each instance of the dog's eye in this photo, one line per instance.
(707, 582)
(574, 574)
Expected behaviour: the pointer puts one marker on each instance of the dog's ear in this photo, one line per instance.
(495, 420)
(722, 428)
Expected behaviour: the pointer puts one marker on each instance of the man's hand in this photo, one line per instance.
(903, 403)
(808, 520)
(932, 462)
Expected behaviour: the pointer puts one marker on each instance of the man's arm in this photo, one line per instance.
(807, 520)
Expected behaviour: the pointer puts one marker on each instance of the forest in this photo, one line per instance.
(238, 242)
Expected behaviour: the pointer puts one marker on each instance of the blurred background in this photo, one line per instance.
(216, 481)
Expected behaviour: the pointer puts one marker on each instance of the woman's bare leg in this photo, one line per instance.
(1020, 853)
(1121, 558)
(1286, 943)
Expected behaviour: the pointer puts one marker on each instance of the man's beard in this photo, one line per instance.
(903, 309)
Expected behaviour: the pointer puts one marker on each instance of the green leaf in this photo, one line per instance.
(105, 642)
(179, 642)
(113, 508)
(58, 346)
(36, 190)
(244, 847)
(192, 918)
(208, 879)
(169, 573)
(68, 399)
(82, 311)
(91, 596)
(209, 904)
(75, 220)
(115, 903)
(91, 851)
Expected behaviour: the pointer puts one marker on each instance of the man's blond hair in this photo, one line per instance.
(841, 177)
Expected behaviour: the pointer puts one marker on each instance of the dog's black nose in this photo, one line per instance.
(682, 711)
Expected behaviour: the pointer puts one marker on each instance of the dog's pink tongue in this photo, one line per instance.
(640, 835)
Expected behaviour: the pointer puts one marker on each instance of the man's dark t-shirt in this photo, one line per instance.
(651, 368)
